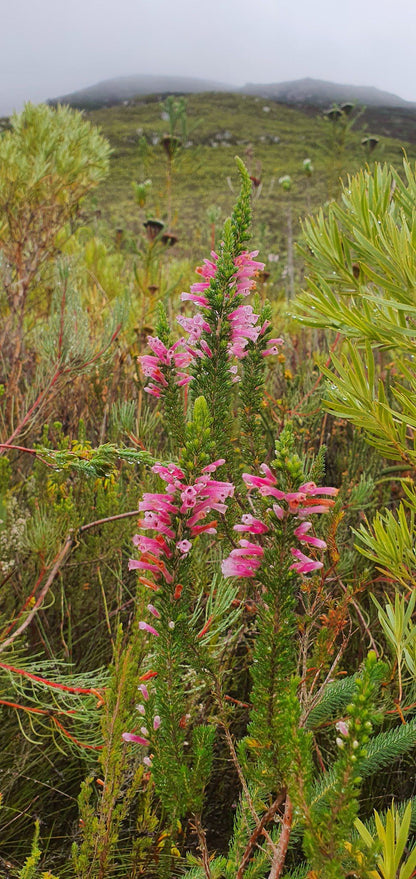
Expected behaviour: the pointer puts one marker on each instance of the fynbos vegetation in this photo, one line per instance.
(207, 504)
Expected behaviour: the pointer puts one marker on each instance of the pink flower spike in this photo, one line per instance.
(131, 737)
(156, 722)
(147, 761)
(146, 628)
(144, 691)
(151, 608)
(304, 565)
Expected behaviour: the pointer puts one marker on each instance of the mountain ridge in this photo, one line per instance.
(307, 91)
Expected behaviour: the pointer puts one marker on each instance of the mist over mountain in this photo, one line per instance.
(115, 91)
(306, 92)
(319, 92)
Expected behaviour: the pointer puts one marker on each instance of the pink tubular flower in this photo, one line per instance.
(144, 691)
(342, 727)
(146, 628)
(301, 534)
(194, 297)
(252, 525)
(149, 563)
(184, 546)
(272, 348)
(243, 562)
(194, 326)
(156, 545)
(131, 737)
(156, 722)
(153, 610)
(304, 565)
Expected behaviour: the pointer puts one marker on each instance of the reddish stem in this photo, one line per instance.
(280, 853)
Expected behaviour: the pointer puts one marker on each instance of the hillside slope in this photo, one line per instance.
(272, 138)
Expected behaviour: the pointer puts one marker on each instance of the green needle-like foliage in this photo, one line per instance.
(328, 827)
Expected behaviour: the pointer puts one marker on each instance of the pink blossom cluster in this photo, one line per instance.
(156, 366)
(181, 511)
(243, 321)
(244, 327)
(308, 499)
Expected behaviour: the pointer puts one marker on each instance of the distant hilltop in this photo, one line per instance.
(304, 92)
(126, 88)
(319, 93)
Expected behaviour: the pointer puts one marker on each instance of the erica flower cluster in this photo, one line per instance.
(157, 366)
(243, 326)
(243, 322)
(307, 500)
(176, 516)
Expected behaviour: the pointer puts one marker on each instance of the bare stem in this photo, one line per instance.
(203, 848)
(279, 856)
(259, 830)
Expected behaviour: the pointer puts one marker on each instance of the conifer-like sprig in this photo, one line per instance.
(329, 827)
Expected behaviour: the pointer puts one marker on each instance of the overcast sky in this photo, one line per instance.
(52, 47)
